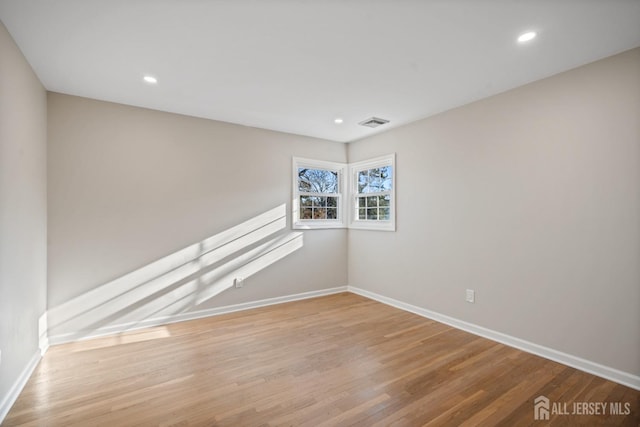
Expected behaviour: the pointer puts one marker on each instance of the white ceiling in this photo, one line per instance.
(295, 65)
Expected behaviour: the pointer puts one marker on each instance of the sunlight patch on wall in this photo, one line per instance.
(178, 282)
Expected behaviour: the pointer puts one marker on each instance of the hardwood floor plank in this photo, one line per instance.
(336, 360)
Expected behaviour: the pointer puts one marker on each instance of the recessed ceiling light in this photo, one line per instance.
(338, 121)
(525, 37)
(150, 79)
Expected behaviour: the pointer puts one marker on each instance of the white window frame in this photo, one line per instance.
(354, 169)
(308, 224)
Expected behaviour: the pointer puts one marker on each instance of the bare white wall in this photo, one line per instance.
(23, 212)
(129, 186)
(532, 198)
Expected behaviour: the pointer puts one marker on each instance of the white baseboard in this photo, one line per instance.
(18, 385)
(594, 368)
(181, 317)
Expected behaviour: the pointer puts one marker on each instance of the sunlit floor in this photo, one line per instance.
(336, 360)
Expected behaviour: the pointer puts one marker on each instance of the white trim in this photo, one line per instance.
(44, 345)
(146, 323)
(341, 169)
(620, 377)
(313, 163)
(18, 385)
(354, 168)
(43, 333)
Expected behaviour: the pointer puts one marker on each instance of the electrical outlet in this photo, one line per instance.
(239, 282)
(471, 296)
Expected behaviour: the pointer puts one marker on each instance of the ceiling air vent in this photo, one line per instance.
(373, 122)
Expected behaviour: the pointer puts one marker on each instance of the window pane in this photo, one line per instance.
(372, 213)
(386, 178)
(306, 213)
(319, 213)
(384, 200)
(375, 180)
(363, 181)
(372, 202)
(362, 202)
(332, 213)
(305, 201)
(332, 202)
(319, 201)
(317, 180)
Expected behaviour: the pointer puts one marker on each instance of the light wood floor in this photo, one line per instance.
(337, 360)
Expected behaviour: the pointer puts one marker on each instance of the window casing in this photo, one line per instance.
(337, 195)
(372, 191)
(318, 194)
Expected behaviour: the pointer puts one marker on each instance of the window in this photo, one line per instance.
(373, 194)
(326, 196)
(318, 194)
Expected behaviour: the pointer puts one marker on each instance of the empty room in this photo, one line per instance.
(319, 213)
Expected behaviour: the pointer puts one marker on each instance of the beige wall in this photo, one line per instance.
(23, 212)
(128, 186)
(532, 198)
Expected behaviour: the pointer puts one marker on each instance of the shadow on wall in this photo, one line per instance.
(178, 282)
